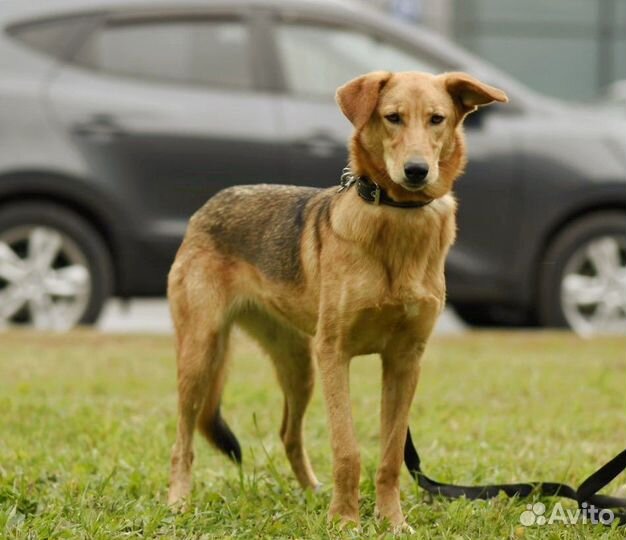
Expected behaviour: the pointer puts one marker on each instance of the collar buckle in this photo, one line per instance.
(347, 180)
(376, 194)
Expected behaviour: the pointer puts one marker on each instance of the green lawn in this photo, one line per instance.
(87, 422)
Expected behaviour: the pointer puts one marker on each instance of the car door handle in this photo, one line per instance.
(320, 144)
(100, 127)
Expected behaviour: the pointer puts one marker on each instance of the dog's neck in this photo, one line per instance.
(408, 245)
(403, 241)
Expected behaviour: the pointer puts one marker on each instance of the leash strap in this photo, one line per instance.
(587, 492)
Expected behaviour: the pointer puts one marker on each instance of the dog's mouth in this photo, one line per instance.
(419, 186)
(413, 187)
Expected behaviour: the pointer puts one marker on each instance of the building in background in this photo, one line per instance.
(571, 49)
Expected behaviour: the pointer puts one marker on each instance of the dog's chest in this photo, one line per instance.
(393, 285)
(398, 271)
(373, 330)
(381, 304)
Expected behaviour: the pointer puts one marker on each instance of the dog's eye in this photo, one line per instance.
(393, 118)
(436, 119)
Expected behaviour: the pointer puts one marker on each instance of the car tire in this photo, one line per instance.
(565, 259)
(79, 278)
(493, 315)
(474, 314)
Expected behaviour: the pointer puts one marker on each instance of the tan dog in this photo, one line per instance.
(324, 274)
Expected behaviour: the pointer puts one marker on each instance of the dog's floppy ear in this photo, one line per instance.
(357, 98)
(469, 93)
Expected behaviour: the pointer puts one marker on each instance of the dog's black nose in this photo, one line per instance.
(415, 172)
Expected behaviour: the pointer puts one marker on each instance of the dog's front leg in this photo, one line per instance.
(334, 368)
(400, 375)
(401, 367)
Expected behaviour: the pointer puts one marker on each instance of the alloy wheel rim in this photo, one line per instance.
(593, 288)
(44, 278)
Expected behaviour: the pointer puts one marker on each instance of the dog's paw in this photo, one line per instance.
(399, 528)
(344, 523)
(403, 528)
(346, 519)
(395, 521)
(178, 499)
(179, 507)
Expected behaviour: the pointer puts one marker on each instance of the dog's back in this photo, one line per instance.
(261, 224)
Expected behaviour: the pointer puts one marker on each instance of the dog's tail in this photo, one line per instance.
(210, 421)
(219, 434)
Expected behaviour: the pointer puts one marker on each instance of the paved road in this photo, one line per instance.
(152, 316)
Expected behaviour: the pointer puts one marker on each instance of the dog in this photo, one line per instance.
(329, 274)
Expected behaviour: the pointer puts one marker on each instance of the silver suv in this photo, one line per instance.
(119, 118)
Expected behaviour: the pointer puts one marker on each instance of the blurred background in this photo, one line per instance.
(569, 49)
(119, 118)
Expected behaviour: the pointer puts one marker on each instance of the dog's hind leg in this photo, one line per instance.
(291, 356)
(199, 315)
(296, 374)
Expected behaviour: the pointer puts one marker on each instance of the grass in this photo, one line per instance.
(87, 422)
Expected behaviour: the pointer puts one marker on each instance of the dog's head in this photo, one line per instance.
(408, 128)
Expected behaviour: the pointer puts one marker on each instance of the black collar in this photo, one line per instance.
(371, 192)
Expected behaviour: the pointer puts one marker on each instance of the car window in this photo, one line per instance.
(50, 36)
(208, 52)
(316, 59)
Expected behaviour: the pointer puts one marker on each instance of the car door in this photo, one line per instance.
(168, 108)
(489, 216)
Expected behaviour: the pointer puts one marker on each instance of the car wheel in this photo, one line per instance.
(55, 270)
(583, 276)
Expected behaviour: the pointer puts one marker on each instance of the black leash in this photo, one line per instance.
(587, 492)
